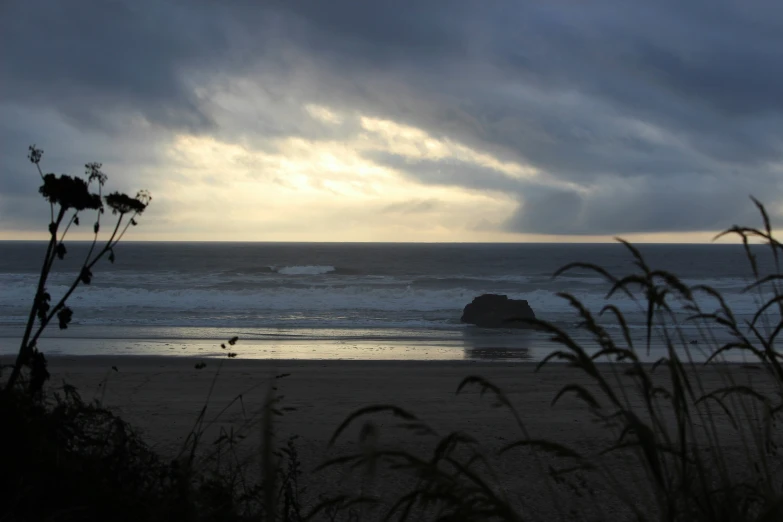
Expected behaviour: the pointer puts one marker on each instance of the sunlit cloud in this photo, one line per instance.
(414, 143)
(325, 187)
(319, 112)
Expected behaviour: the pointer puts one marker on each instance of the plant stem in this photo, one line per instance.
(25, 346)
(87, 265)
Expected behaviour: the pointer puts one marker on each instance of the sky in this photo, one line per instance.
(404, 120)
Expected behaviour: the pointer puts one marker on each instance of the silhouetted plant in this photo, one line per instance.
(662, 416)
(68, 197)
(77, 460)
(70, 459)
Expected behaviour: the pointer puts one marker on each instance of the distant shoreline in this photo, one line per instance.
(381, 352)
(518, 347)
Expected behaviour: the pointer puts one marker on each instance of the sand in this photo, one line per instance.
(162, 397)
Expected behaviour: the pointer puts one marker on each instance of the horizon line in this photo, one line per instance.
(186, 241)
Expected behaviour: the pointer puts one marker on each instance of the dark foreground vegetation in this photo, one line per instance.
(68, 459)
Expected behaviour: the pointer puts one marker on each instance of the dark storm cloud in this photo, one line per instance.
(665, 115)
(616, 209)
(92, 60)
(448, 172)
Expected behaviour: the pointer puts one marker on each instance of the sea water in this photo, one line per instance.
(300, 298)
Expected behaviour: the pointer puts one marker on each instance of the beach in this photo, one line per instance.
(330, 329)
(162, 397)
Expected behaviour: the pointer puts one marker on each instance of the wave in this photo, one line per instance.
(15, 296)
(315, 270)
(295, 270)
(302, 295)
(326, 298)
(467, 282)
(304, 270)
(251, 270)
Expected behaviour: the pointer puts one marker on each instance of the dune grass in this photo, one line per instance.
(695, 454)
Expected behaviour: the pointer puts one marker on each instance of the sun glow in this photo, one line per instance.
(297, 189)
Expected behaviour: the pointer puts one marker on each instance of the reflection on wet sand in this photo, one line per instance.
(482, 343)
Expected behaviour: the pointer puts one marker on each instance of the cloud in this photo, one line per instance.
(616, 208)
(413, 206)
(100, 62)
(446, 172)
(573, 118)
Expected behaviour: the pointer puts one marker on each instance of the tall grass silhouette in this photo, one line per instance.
(697, 451)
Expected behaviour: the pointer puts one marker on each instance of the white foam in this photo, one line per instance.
(304, 270)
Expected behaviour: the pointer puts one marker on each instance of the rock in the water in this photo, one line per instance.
(497, 311)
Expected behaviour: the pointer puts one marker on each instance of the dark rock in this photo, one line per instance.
(497, 311)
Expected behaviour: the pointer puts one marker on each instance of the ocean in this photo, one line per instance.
(326, 301)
